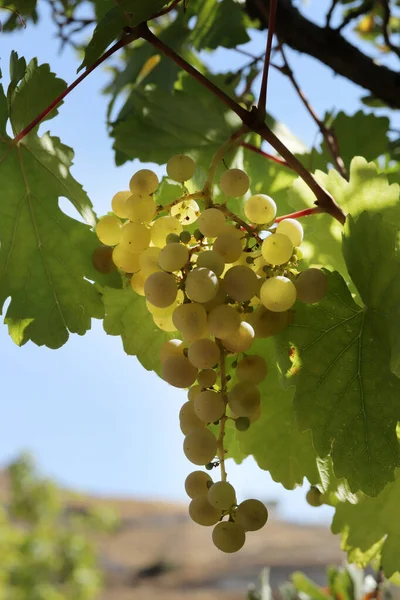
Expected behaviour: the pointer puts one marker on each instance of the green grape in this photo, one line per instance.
(242, 423)
(252, 368)
(251, 515)
(144, 182)
(181, 168)
(241, 283)
(266, 322)
(244, 399)
(140, 208)
(277, 249)
(171, 348)
(314, 497)
(278, 294)
(118, 204)
(178, 371)
(260, 209)
(197, 483)
(207, 378)
(193, 392)
(293, 229)
(186, 211)
(203, 353)
(200, 446)
(202, 513)
(191, 320)
(125, 259)
(165, 323)
(228, 537)
(185, 238)
(172, 238)
(148, 261)
(162, 227)
(102, 259)
(137, 283)
(211, 222)
(173, 257)
(223, 321)
(311, 285)
(160, 289)
(234, 183)
(228, 246)
(209, 406)
(219, 298)
(201, 285)
(241, 339)
(188, 419)
(109, 230)
(211, 260)
(136, 236)
(222, 495)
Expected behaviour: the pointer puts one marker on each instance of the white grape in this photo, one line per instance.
(109, 230)
(162, 227)
(293, 229)
(222, 495)
(171, 348)
(186, 212)
(149, 260)
(203, 353)
(179, 372)
(193, 392)
(266, 322)
(136, 236)
(207, 378)
(241, 283)
(223, 321)
(211, 260)
(219, 298)
(252, 368)
(234, 183)
(260, 209)
(209, 406)
(197, 483)
(140, 208)
(211, 222)
(165, 323)
(278, 293)
(251, 515)
(160, 289)
(191, 320)
(311, 285)
(200, 446)
(118, 204)
(125, 260)
(202, 513)
(244, 399)
(241, 339)
(137, 283)
(181, 168)
(277, 249)
(201, 285)
(188, 419)
(228, 537)
(173, 257)
(144, 181)
(229, 246)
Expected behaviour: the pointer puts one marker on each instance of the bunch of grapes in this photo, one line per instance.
(219, 282)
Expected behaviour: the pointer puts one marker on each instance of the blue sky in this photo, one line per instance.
(93, 417)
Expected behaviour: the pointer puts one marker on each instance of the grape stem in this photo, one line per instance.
(250, 230)
(224, 418)
(306, 212)
(275, 159)
(195, 196)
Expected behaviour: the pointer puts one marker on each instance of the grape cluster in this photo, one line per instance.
(219, 282)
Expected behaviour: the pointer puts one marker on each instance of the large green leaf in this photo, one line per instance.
(45, 256)
(126, 315)
(346, 393)
(275, 440)
(372, 527)
(211, 31)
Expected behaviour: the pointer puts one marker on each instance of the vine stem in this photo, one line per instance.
(275, 159)
(223, 420)
(306, 212)
(262, 100)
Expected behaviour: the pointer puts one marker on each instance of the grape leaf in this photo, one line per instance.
(126, 315)
(372, 526)
(346, 393)
(125, 13)
(155, 124)
(275, 440)
(210, 31)
(45, 256)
